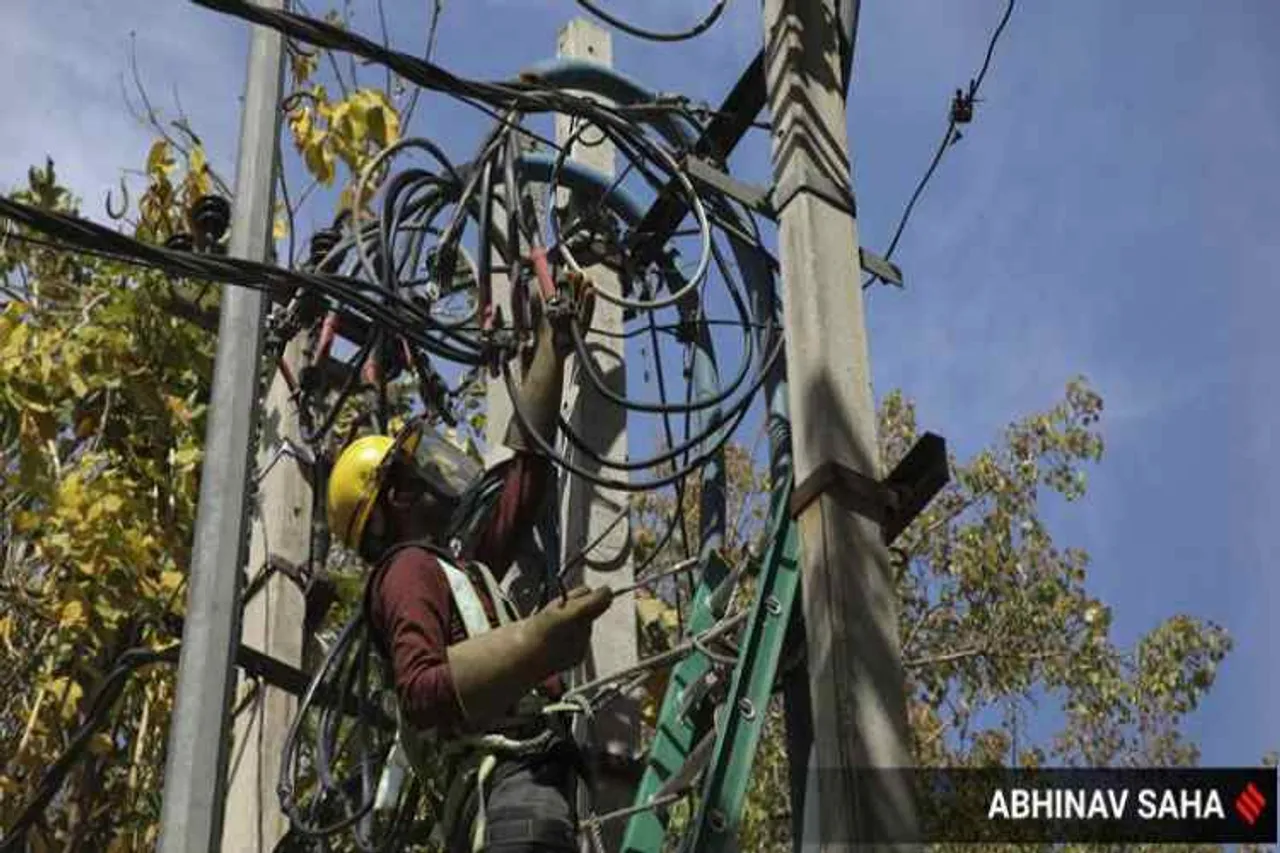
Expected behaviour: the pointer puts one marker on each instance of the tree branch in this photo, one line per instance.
(976, 651)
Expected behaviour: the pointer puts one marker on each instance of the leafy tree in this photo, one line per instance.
(104, 378)
(996, 621)
(102, 398)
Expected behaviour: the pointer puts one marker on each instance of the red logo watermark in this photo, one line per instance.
(1250, 803)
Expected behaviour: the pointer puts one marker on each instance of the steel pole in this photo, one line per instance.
(196, 769)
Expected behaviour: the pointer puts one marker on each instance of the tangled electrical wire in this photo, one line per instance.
(413, 288)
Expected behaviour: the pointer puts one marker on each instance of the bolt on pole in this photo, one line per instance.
(854, 658)
(195, 774)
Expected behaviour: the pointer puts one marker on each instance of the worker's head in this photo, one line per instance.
(386, 490)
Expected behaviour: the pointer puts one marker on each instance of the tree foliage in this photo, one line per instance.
(102, 398)
(995, 618)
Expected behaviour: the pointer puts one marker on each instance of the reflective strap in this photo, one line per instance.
(501, 605)
(474, 619)
(394, 773)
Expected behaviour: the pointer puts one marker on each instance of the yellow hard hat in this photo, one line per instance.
(361, 471)
(354, 483)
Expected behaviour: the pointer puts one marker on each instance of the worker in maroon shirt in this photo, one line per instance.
(476, 685)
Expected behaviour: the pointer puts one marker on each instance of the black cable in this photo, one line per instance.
(286, 788)
(112, 687)
(991, 47)
(948, 139)
(652, 35)
(621, 485)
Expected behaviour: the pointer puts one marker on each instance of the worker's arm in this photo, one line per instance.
(410, 611)
(475, 682)
(539, 395)
(493, 671)
(525, 470)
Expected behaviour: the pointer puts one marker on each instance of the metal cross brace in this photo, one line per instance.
(893, 503)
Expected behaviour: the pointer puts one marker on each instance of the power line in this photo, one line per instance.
(961, 113)
(653, 35)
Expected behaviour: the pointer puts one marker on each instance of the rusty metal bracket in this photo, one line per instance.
(892, 503)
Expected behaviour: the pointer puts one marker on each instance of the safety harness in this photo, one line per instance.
(450, 769)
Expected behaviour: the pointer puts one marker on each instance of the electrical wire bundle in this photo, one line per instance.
(443, 232)
(436, 228)
(415, 284)
(343, 766)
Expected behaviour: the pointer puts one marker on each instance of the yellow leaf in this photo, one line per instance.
(651, 610)
(324, 109)
(302, 65)
(348, 196)
(347, 121)
(382, 120)
(319, 158)
(159, 160)
(196, 162)
(25, 522)
(281, 228)
(301, 126)
(655, 690)
(112, 503)
(100, 744)
(71, 493)
(73, 614)
(187, 458)
(170, 580)
(56, 687)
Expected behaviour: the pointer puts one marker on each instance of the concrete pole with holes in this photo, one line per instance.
(191, 819)
(590, 512)
(854, 658)
(272, 624)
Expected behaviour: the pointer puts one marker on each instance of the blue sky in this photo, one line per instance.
(1111, 212)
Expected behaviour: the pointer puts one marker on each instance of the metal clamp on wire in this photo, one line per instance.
(572, 302)
(498, 341)
(892, 503)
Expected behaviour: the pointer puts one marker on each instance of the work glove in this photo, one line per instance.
(494, 670)
(566, 625)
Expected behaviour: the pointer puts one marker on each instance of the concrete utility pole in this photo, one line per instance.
(590, 512)
(195, 774)
(273, 625)
(855, 668)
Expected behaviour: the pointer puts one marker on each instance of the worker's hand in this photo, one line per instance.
(573, 304)
(566, 625)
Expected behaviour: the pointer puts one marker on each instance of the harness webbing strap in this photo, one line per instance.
(470, 607)
(479, 754)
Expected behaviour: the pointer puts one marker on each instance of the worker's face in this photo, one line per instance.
(417, 510)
